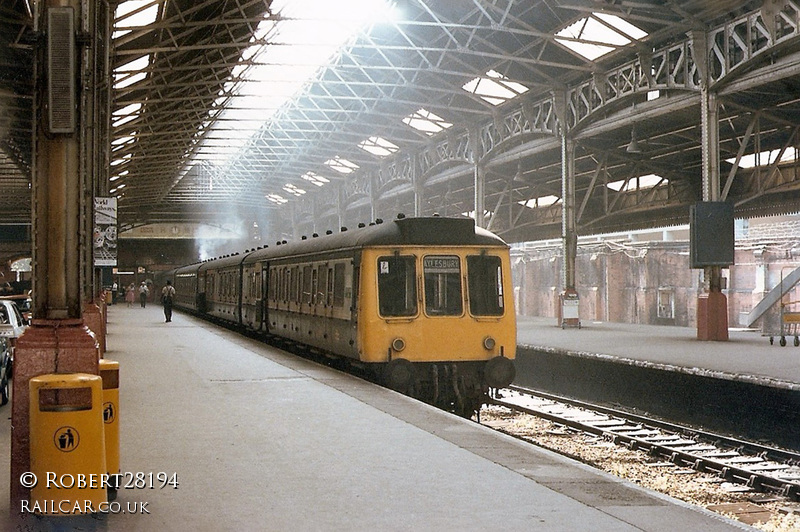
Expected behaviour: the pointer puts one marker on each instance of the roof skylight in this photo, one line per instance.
(637, 183)
(131, 72)
(126, 114)
(277, 199)
(124, 159)
(304, 36)
(495, 88)
(426, 122)
(598, 34)
(541, 201)
(315, 178)
(342, 165)
(134, 14)
(293, 190)
(119, 175)
(379, 146)
(766, 158)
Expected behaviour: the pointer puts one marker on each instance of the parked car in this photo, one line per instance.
(5, 370)
(24, 304)
(11, 327)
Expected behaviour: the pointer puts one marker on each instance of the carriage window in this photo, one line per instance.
(307, 288)
(338, 285)
(296, 286)
(397, 286)
(442, 285)
(321, 285)
(485, 285)
(272, 287)
(329, 294)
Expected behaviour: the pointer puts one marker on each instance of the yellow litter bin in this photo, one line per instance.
(109, 371)
(67, 444)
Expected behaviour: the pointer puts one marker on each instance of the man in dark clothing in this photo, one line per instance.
(167, 294)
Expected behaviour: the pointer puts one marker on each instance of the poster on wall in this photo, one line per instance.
(104, 241)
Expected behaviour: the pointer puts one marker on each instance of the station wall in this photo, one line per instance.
(651, 282)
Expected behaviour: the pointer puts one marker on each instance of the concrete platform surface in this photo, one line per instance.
(261, 440)
(746, 356)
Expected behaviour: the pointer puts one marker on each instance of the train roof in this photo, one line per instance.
(422, 231)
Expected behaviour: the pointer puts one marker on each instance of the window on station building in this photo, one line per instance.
(666, 303)
(397, 286)
(485, 279)
(442, 279)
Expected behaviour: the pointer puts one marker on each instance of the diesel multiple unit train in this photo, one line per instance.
(423, 304)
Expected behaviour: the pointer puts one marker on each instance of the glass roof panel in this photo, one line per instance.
(495, 88)
(134, 14)
(541, 201)
(766, 158)
(315, 178)
(379, 146)
(277, 199)
(307, 36)
(426, 122)
(598, 34)
(637, 183)
(342, 165)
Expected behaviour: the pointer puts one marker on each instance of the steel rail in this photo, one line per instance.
(759, 469)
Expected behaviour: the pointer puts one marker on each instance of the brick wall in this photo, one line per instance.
(651, 282)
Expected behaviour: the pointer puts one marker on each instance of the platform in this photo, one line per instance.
(262, 440)
(744, 386)
(747, 355)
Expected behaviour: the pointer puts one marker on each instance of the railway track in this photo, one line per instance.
(759, 467)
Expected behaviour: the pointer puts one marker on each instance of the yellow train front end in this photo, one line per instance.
(438, 321)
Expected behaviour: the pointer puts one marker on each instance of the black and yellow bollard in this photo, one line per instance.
(67, 444)
(109, 371)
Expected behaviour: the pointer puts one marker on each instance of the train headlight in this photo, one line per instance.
(489, 343)
(398, 344)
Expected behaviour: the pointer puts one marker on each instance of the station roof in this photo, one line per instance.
(293, 111)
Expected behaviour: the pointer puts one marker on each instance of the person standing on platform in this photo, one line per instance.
(130, 295)
(167, 294)
(143, 291)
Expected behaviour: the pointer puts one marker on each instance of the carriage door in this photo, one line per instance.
(266, 293)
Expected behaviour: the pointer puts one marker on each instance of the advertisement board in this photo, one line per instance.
(104, 237)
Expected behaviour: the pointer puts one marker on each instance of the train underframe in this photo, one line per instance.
(458, 387)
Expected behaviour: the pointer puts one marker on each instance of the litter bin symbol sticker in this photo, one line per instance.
(109, 413)
(66, 439)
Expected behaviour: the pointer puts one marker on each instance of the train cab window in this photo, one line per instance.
(442, 285)
(485, 282)
(397, 286)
